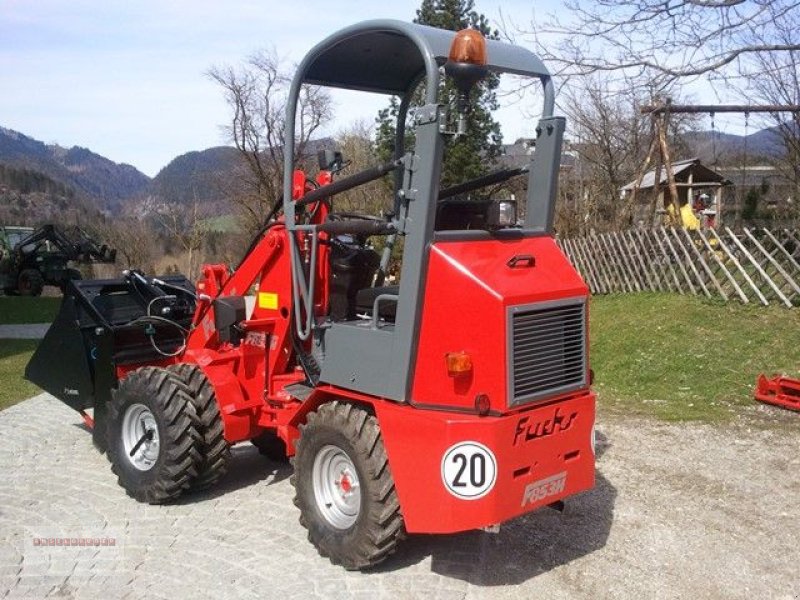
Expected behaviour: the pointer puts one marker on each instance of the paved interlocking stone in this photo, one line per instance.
(678, 511)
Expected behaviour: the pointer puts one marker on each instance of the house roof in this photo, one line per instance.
(680, 170)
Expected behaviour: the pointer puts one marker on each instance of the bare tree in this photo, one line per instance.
(257, 94)
(778, 82)
(663, 41)
(609, 138)
(358, 150)
(189, 227)
(133, 238)
(611, 143)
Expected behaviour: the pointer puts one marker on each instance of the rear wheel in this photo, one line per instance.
(344, 489)
(30, 283)
(214, 449)
(152, 435)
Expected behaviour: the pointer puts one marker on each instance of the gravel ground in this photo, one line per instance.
(679, 511)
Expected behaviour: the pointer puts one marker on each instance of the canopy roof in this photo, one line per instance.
(388, 56)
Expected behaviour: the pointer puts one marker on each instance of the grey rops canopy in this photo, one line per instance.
(392, 55)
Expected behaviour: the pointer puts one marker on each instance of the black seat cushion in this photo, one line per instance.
(365, 300)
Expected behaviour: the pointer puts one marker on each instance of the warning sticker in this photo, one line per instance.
(268, 300)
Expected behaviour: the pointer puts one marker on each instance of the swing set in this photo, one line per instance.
(660, 115)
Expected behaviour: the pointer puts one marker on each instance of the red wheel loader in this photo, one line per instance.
(455, 400)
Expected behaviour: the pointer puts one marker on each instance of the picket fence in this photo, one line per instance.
(752, 266)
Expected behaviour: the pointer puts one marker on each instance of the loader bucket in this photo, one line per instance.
(99, 327)
(62, 364)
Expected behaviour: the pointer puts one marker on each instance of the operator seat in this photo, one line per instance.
(365, 300)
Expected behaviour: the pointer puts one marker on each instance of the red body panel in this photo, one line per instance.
(417, 440)
(469, 286)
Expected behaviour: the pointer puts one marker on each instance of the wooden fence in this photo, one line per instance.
(756, 265)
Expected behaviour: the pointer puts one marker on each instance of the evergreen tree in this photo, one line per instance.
(474, 153)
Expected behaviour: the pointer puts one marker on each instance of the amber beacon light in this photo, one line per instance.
(468, 46)
(466, 65)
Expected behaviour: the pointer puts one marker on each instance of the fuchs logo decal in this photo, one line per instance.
(256, 338)
(528, 430)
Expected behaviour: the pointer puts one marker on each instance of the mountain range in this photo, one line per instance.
(205, 175)
(714, 147)
(90, 175)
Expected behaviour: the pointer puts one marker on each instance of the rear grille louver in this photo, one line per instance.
(548, 350)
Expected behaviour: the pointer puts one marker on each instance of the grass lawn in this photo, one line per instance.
(686, 358)
(14, 355)
(22, 309)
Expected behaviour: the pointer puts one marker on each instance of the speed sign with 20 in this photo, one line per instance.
(469, 470)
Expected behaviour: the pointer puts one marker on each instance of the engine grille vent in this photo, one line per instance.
(548, 349)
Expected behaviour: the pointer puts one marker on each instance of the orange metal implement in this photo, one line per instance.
(780, 391)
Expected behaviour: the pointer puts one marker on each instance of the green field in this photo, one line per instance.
(685, 358)
(14, 355)
(222, 223)
(21, 309)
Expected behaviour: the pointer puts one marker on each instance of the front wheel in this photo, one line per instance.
(153, 439)
(214, 450)
(344, 488)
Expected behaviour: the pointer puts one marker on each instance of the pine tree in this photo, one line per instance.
(469, 155)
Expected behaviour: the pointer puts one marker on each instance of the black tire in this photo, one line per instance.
(214, 449)
(271, 446)
(30, 283)
(378, 526)
(166, 397)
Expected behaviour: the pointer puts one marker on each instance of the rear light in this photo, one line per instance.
(482, 404)
(458, 363)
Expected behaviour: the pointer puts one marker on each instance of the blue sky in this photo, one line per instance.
(127, 78)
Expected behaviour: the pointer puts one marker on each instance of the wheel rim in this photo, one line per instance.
(336, 487)
(140, 437)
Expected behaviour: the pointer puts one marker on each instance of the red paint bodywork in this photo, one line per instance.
(469, 288)
(416, 441)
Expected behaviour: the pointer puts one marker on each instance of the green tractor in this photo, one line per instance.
(33, 258)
